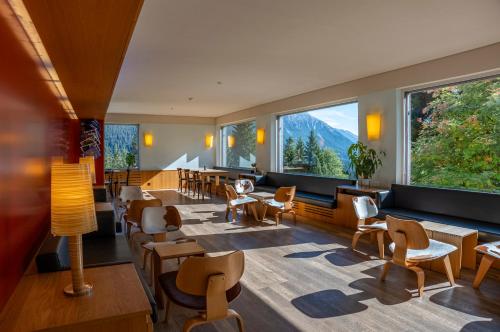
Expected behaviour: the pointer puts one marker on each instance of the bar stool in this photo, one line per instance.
(182, 179)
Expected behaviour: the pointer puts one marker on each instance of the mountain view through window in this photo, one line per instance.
(316, 142)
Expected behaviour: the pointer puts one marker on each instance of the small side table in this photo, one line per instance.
(491, 253)
(261, 197)
(167, 250)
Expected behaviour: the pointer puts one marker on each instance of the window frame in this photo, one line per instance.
(279, 128)
(222, 142)
(406, 103)
(138, 163)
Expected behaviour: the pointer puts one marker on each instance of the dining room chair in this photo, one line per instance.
(412, 246)
(127, 195)
(235, 201)
(200, 186)
(283, 203)
(365, 209)
(207, 285)
(188, 184)
(243, 186)
(163, 223)
(133, 217)
(181, 179)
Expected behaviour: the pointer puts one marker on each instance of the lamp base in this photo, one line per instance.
(86, 290)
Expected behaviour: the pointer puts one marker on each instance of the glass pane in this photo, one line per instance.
(121, 146)
(316, 142)
(238, 144)
(455, 132)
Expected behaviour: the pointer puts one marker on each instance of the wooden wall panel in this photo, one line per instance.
(86, 41)
(33, 127)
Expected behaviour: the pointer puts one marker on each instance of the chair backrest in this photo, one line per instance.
(179, 172)
(173, 218)
(243, 186)
(153, 221)
(230, 192)
(365, 207)
(414, 232)
(135, 211)
(187, 173)
(285, 194)
(196, 175)
(130, 193)
(194, 272)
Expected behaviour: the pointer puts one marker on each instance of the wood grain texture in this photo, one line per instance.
(118, 303)
(86, 41)
(306, 278)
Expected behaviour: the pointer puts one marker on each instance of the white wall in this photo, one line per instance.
(176, 145)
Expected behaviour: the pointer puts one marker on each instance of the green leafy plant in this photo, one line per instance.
(130, 160)
(364, 161)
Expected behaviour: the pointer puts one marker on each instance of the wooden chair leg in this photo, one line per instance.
(420, 279)
(485, 265)
(227, 212)
(235, 214)
(380, 241)
(449, 272)
(190, 323)
(294, 217)
(167, 309)
(277, 218)
(146, 252)
(239, 320)
(355, 239)
(387, 266)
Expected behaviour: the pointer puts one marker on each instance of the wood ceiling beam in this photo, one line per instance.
(86, 41)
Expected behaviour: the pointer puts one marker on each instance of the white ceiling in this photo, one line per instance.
(262, 50)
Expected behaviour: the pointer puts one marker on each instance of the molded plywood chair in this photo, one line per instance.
(133, 217)
(283, 202)
(127, 195)
(163, 223)
(366, 208)
(412, 246)
(234, 202)
(243, 186)
(207, 285)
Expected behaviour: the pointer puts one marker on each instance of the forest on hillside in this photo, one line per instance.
(119, 140)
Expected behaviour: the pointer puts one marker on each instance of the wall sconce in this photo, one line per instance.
(148, 139)
(261, 136)
(209, 141)
(373, 121)
(230, 141)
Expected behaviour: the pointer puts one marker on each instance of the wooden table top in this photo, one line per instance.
(362, 189)
(39, 301)
(210, 171)
(175, 250)
(448, 229)
(261, 195)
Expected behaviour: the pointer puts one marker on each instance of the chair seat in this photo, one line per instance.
(435, 250)
(381, 226)
(168, 284)
(275, 204)
(242, 200)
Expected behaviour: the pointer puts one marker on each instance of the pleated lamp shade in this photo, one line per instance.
(90, 161)
(72, 200)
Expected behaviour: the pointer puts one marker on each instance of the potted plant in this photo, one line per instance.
(130, 161)
(364, 162)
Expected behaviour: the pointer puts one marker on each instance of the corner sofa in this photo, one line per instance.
(462, 208)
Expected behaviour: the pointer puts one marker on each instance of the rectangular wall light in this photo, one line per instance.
(261, 136)
(373, 122)
(230, 141)
(209, 141)
(148, 139)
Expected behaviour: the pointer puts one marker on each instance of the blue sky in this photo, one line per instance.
(340, 116)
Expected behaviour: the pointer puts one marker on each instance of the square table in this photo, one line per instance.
(463, 238)
(491, 253)
(261, 196)
(168, 250)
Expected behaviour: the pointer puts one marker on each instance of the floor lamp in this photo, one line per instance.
(73, 214)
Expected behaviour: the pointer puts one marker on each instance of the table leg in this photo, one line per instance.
(254, 211)
(156, 272)
(485, 265)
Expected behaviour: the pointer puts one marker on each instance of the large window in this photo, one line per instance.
(238, 144)
(454, 135)
(316, 142)
(121, 144)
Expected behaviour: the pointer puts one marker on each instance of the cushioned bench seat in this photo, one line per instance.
(327, 201)
(481, 226)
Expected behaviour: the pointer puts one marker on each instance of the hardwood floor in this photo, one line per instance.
(304, 278)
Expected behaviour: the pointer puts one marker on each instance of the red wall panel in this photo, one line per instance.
(33, 127)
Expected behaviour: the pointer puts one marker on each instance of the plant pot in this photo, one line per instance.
(363, 183)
